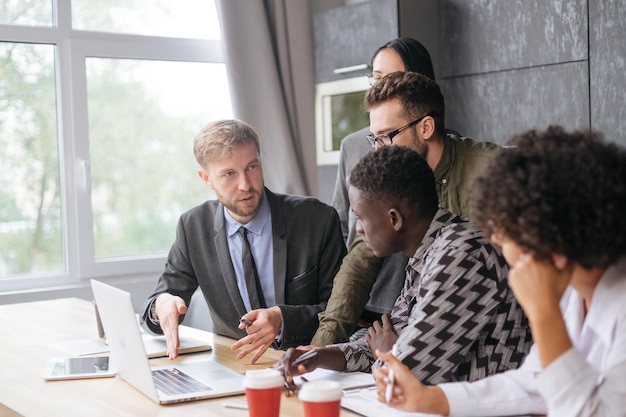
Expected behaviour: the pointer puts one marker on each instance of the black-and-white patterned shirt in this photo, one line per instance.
(456, 317)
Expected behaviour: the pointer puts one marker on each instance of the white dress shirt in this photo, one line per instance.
(587, 380)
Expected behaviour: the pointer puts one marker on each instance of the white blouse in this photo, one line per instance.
(587, 380)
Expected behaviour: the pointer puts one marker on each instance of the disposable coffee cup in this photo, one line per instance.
(321, 398)
(263, 392)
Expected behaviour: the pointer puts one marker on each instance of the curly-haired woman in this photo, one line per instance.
(556, 204)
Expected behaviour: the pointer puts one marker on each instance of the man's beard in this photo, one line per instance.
(420, 146)
(239, 209)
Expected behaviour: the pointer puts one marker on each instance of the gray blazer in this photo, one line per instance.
(308, 249)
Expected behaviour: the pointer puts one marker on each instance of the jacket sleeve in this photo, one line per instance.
(351, 290)
(301, 321)
(178, 278)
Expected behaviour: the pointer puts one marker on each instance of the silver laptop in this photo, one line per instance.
(163, 384)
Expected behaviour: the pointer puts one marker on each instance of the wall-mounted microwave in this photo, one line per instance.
(338, 112)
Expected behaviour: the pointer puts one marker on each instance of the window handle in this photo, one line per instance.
(85, 174)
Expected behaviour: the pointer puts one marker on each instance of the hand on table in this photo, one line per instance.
(168, 308)
(262, 326)
(291, 369)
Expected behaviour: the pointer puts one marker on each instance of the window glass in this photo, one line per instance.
(30, 213)
(143, 116)
(26, 12)
(96, 147)
(347, 116)
(170, 18)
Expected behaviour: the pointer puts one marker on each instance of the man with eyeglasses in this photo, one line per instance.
(405, 109)
(400, 54)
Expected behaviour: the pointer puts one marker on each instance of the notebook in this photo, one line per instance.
(350, 381)
(365, 403)
(155, 345)
(176, 383)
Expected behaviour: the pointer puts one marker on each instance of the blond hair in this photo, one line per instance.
(219, 138)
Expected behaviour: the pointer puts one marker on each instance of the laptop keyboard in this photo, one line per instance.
(174, 381)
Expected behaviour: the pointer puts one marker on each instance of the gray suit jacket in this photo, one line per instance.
(308, 249)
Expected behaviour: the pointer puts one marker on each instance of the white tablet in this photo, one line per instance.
(78, 368)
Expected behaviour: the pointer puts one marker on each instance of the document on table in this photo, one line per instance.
(349, 381)
(359, 393)
(365, 402)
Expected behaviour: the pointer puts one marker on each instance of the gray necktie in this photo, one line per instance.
(255, 293)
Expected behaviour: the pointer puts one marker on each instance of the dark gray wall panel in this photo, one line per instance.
(495, 106)
(511, 65)
(419, 19)
(607, 57)
(349, 36)
(490, 35)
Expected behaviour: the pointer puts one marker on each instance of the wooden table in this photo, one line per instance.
(30, 334)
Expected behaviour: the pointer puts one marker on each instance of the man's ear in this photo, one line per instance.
(427, 127)
(395, 219)
(560, 261)
(204, 176)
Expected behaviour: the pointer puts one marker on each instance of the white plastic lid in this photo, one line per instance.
(320, 391)
(263, 378)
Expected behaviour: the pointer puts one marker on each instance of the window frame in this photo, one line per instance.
(72, 48)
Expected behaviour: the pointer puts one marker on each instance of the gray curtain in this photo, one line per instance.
(268, 50)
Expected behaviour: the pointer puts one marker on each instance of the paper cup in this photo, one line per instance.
(263, 392)
(321, 398)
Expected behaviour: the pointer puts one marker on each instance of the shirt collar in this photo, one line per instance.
(608, 292)
(441, 218)
(256, 225)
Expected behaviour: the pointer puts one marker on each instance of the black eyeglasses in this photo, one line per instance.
(386, 139)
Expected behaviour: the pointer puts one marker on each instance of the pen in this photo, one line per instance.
(246, 322)
(235, 405)
(389, 388)
(306, 355)
(358, 388)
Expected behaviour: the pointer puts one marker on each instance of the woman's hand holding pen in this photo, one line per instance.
(262, 326)
(408, 393)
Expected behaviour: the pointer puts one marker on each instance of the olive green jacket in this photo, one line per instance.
(461, 162)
